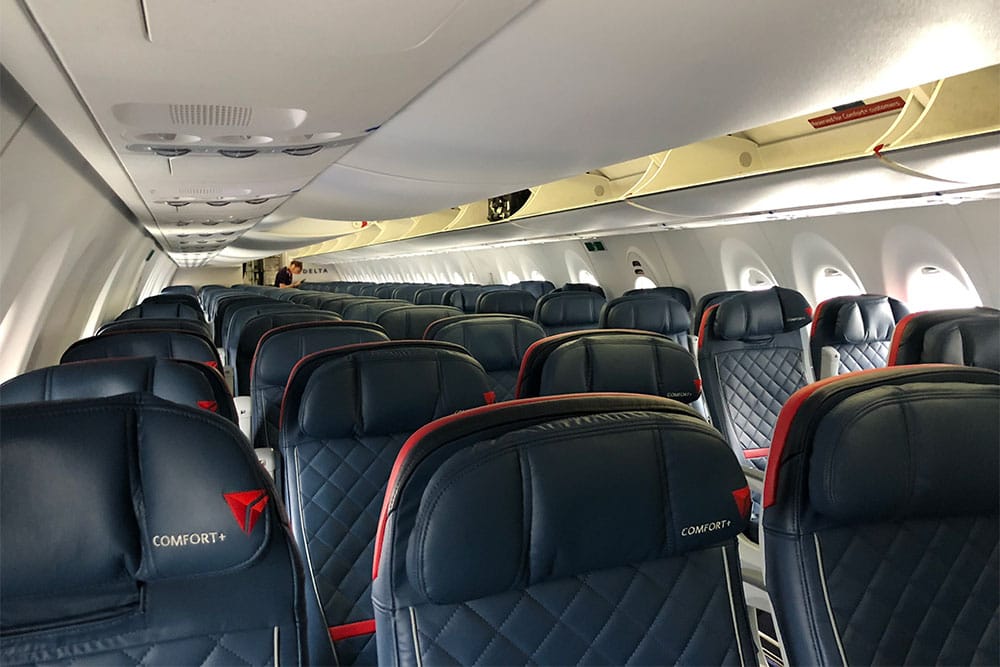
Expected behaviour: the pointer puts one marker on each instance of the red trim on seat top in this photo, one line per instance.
(815, 317)
(527, 355)
(897, 337)
(422, 432)
(348, 630)
(704, 321)
(758, 453)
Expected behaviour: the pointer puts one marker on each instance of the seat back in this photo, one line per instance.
(856, 329)
(558, 312)
(649, 311)
(969, 341)
(497, 342)
(881, 548)
(677, 293)
(180, 289)
(535, 288)
(509, 302)
(162, 310)
(752, 358)
(310, 298)
(173, 297)
(236, 317)
(228, 302)
(582, 287)
(255, 328)
(343, 420)
(410, 322)
(136, 531)
(407, 292)
(179, 381)
(593, 529)
(168, 324)
(464, 298)
(910, 338)
(609, 360)
(706, 302)
(385, 291)
(144, 343)
(370, 309)
(432, 296)
(278, 350)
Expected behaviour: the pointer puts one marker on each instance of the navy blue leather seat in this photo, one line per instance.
(857, 332)
(225, 303)
(151, 343)
(677, 293)
(432, 296)
(407, 292)
(618, 360)
(237, 317)
(498, 342)
(278, 350)
(385, 291)
(179, 381)
(255, 328)
(535, 287)
(881, 519)
(558, 312)
(582, 287)
(179, 289)
(972, 343)
(464, 298)
(346, 414)
(752, 358)
(369, 309)
(134, 531)
(410, 322)
(310, 298)
(162, 310)
(597, 530)
(168, 324)
(509, 302)
(648, 311)
(706, 302)
(173, 297)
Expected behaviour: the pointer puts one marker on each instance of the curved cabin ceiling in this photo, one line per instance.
(414, 108)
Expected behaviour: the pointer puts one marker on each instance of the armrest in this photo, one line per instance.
(244, 409)
(268, 459)
(829, 362)
(755, 479)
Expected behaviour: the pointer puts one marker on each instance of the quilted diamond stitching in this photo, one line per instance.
(862, 357)
(504, 384)
(663, 612)
(755, 385)
(917, 592)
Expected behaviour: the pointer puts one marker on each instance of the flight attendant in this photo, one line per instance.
(285, 273)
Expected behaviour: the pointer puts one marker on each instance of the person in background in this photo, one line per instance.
(284, 276)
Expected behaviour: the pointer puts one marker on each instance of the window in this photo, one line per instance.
(510, 278)
(456, 278)
(586, 276)
(537, 275)
(933, 288)
(754, 279)
(830, 282)
(642, 282)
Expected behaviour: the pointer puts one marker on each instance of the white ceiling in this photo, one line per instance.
(470, 98)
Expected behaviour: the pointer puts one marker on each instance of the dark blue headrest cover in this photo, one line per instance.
(410, 322)
(968, 341)
(865, 319)
(164, 344)
(761, 314)
(566, 497)
(498, 342)
(905, 451)
(126, 489)
(382, 389)
(515, 302)
(282, 348)
(649, 312)
(569, 308)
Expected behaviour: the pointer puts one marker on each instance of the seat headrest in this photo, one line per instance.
(356, 390)
(868, 446)
(969, 341)
(569, 308)
(282, 347)
(609, 360)
(678, 293)
(908, 340)
(498, 342)
(165, 324)
(604, 481)
(157, 310)
(409, 322)
(866, 319)
(513, 302)
(761, 314)
(651, 311)
(184, 382)
(130, 489)
(163, 344)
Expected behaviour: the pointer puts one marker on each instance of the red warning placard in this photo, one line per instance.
(857, 113)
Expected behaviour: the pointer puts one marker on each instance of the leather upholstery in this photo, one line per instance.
(345, 414)
(648, 311)
(179, 289)
(162, 310)
(509, 302)
(173, 297)
(535, 287)
(752, 359)
(498, 342)
(186, 382)
(309, 298)
(616, 546)
(559, 312)
(615, 360)
(229, 301)
(582, 287)
(410, 322)
(132, 491)
(370, 309)
(677, 293)
(860, 328)
(252, 331)
(148, 323)
(881, 506)
(969, 341)
(464, 298)
(431, 296)
(706, 302)
(407, 292)
(162, 344)
(277, 352)
(385, 291)
(235, 317)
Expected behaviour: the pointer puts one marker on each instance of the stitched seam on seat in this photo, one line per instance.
(826, 599)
